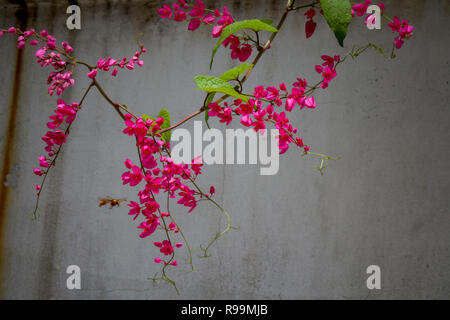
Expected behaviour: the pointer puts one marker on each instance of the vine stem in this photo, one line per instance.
(57, 154)
(184, 120)
(116, 106)
(289, 7)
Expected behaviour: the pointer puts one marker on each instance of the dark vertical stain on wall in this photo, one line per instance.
(7, 152)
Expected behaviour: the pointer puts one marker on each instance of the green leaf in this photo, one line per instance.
(338, 14)
(209, 99)
(268, 21)
(147, 117)
(231, 74)
(166, 124)
(234, 73)
(214, 84)
(256, 25)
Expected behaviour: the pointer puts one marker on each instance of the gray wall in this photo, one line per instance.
(301, 235)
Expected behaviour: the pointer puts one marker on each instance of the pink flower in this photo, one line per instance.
(198, 11)
(67, 47)
(128, 163)
(318, 68)
(92, 74)
(309, 103)
(301, 83)
(57, 137)
(310, 27)
(361, 8)
(165, 12)
(148, 161)
(217, 31)
(194, 24)
(396, 24)
(187, 197)
(245, 52)
(233, 41)
(166, 248)
(149, 226)
(328, 74)
(406, 30)
(43, 162)
(398, 42)
(226, 18)
(133, 177)
(180, 16)
(260, 92)
(12, 30)
(151, 207)
(290, 104)
(40, 53)
(310, 13)
(157, 260)
(246, 120)
(174, 263)
(329, 61)
(130, 65)
(135, 209)
(227, 116)
(272, 93)
(172, 226)
(183, 4)
(209, 19)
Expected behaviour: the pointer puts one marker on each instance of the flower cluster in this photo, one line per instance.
(402, 27)
(110, 63)
(59, 81)
(327, 69)
(219, 20)
(56, 137)
(47, 55)
(51, 55)
(310, 25)
(198, 15)
(254, 114)
(404, 30)
(22, 38)
(241, 51)
(361, 8)
(159, 173)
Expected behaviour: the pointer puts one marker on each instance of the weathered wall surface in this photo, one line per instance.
(301, 235)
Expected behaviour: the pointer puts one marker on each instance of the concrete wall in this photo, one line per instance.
(301, 235)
